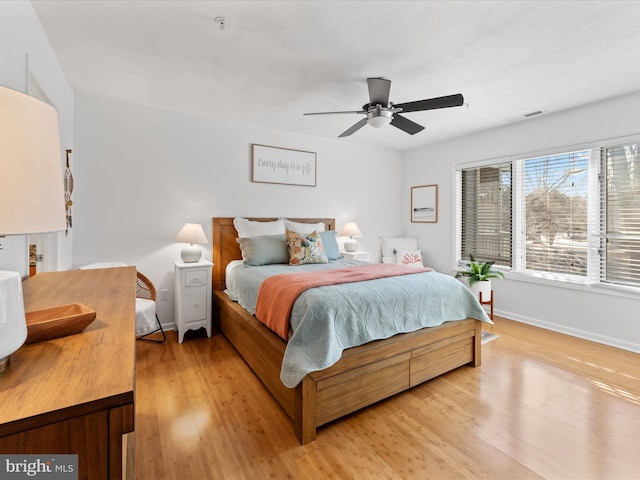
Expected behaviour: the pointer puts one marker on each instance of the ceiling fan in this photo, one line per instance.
(379, 111)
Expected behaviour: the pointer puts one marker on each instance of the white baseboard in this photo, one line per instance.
(574, 332)
(169, 326)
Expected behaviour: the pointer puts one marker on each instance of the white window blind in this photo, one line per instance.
(556, 210)
(485, 226)
(620, 255)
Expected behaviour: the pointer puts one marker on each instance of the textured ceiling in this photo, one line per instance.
(278, 59)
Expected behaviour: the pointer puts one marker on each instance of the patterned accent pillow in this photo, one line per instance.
(410, 258)
(305, 249)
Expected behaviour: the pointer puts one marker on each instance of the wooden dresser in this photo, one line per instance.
(75, 394)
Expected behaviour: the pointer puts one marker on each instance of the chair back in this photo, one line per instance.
(144, 288)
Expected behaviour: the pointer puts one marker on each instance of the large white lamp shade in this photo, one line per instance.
(191, 233)
(31, 195)
(31, 186)
(350, 230)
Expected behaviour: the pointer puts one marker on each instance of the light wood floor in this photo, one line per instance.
(542, 405)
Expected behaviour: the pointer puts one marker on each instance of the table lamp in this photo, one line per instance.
(31, 196)
(191, 233)
(350, 230)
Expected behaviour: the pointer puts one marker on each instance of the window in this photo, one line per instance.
(486, 213)
(620, 257)
(571, 216)
(555, 209)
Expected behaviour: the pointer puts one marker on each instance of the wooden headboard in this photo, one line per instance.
(226, 248)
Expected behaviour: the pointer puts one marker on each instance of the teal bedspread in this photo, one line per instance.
(327, 320)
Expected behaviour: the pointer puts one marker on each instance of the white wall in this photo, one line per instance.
(586, 313)
(20, 34)
(141, 173)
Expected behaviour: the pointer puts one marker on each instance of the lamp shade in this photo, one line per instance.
(350, 230)
(31, 195)
(191, 233)
(31, 183)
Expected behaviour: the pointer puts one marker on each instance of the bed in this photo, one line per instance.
(364, 374)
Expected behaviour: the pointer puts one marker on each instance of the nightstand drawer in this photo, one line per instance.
(196, 278)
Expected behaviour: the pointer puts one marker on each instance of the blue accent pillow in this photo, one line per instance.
(264, 250)
(330, 244)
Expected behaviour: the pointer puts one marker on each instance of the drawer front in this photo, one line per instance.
(195, 305)
(197, 278)
(432, 362)
(361, 387)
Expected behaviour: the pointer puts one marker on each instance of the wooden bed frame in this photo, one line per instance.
(364, 375)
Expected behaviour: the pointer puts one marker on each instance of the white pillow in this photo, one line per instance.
(410, 258)
(250, 228)
(304, 228)
(391, 245)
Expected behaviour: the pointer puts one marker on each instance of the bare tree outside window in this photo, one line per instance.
(556, 210)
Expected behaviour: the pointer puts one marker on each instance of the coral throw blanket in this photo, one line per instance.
(277, 294)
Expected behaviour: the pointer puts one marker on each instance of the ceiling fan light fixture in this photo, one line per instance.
(379, 118)
(379, 122)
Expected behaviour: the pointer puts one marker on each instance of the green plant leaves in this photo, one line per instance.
(479, 272)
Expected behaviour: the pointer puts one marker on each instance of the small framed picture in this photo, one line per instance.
(424, 204)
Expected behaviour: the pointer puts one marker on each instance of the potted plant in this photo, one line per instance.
(479, 276)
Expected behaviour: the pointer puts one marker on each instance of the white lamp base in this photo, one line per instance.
(350, 245)
(191, 254)
(13, 325)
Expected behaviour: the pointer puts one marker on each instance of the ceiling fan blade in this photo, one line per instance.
(406, 125)
(354, 128)
(331, 113)
(379, 91)
(456, 100)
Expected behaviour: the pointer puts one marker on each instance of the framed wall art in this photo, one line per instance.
(283, 165)
(424, 204)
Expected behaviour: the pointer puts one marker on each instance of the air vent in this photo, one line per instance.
(533, 114)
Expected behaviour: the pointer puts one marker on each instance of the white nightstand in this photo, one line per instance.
(193, 296)
(359, 255)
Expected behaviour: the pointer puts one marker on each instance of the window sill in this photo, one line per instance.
(602, 289)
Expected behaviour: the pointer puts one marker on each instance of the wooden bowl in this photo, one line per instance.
(58, 322)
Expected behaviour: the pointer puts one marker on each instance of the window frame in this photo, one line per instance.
(520, 220)
(592, 281)
(459, 205)
(457, 224)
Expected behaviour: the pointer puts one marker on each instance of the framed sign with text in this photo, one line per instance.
(283, 165)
